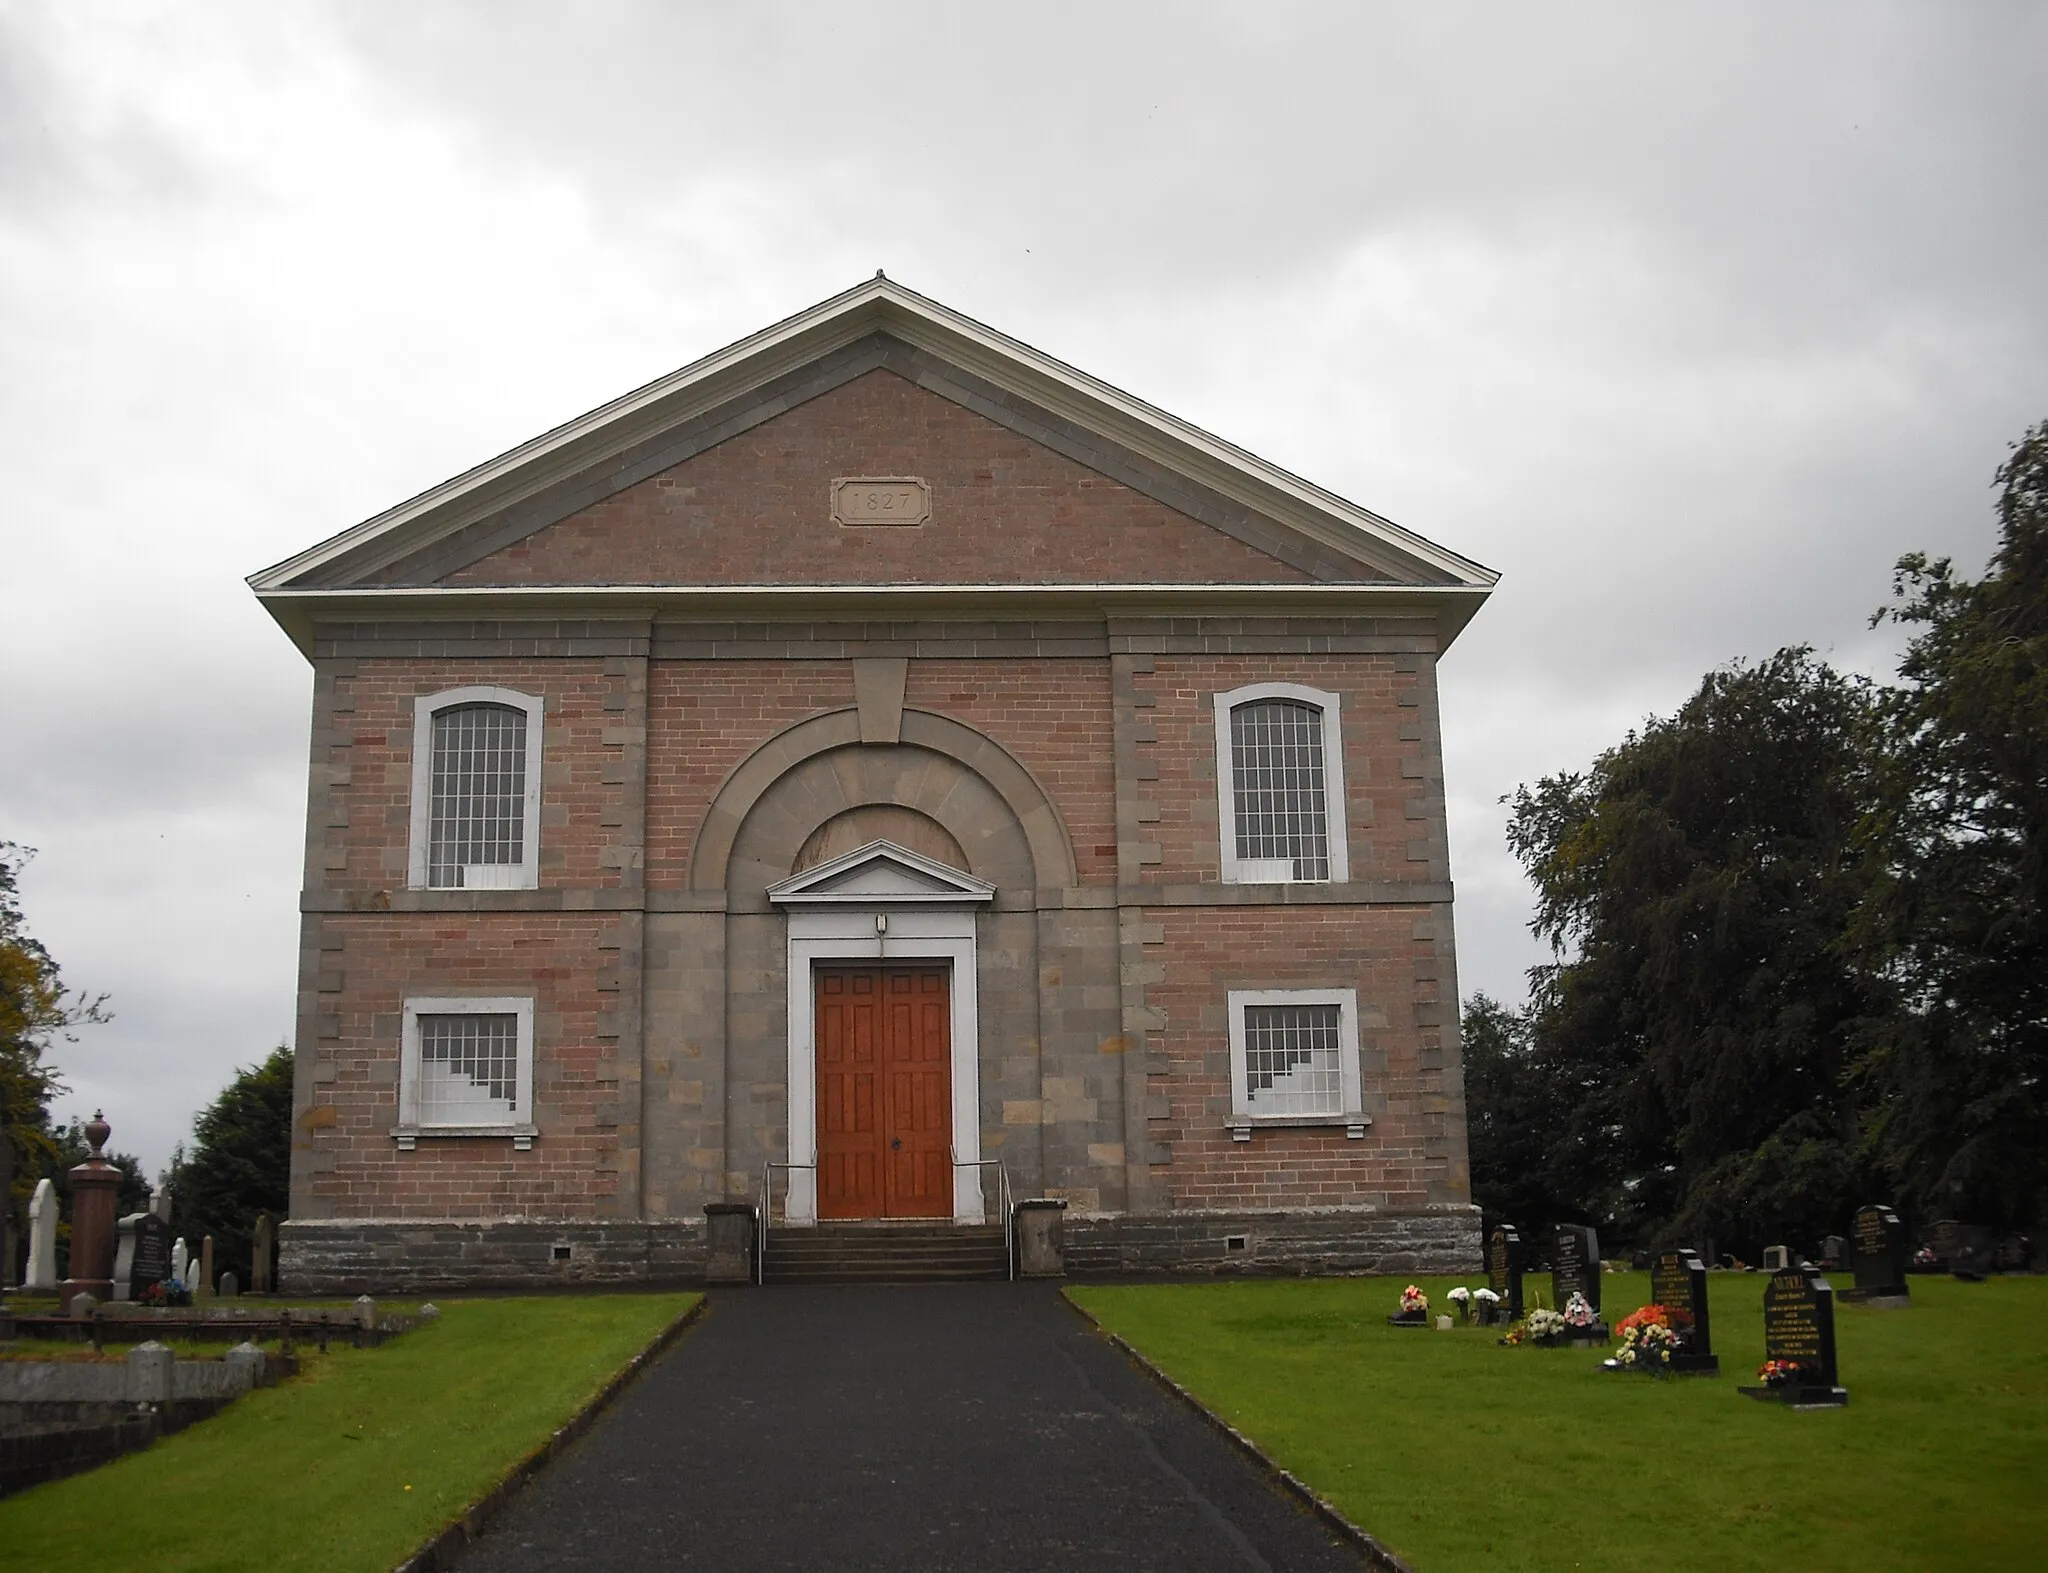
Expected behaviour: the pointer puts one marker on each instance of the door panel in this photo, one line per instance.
(849, 1072)
(884, 1043)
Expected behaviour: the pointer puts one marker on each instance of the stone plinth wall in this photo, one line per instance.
(1308, 1243)
(27, 1386)
(346, 1256)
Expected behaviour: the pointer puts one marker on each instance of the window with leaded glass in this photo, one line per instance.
(1280, 785)
(466, 1069)
(477, 819)
(1290, 1059)
(1276, 755)
(476, 790)
(1294, 1059)
(469, 1069)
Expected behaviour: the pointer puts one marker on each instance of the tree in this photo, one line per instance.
(1515, 1104)
(35, 1007)
(1700, 1020)
(1961, 919)
(240, 1163)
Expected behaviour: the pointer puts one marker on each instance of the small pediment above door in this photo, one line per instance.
(880, 874)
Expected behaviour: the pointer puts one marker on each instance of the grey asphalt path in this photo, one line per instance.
(942, 1426)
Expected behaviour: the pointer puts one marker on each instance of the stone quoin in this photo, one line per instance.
(882, 749)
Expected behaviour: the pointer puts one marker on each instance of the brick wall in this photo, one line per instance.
(345, 1163)
(755, 510)
(1387, 773)
(365, 843)
(703, 718)
(1054, 717)
(1403, 1162)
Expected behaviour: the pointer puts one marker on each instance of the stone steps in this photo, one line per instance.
(885, 1253)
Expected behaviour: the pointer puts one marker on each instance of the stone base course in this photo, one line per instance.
(426, 1256)
(369, 1256)
(1307, 1243)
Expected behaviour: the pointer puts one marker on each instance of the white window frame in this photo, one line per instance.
(1351, 1116)
(523, 875)
(1265, 871)
(517, 1125)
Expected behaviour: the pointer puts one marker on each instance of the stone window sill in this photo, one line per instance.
(407, 1136)
(1241, 1126)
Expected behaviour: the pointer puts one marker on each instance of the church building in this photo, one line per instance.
(880, 768)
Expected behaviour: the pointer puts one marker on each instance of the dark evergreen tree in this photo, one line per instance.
(240, 1164)
(1515, 1104)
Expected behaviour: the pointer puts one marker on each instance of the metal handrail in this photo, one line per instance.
(1003, 1200)
(761, 1221)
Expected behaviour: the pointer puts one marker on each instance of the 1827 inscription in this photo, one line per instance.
(881, 499)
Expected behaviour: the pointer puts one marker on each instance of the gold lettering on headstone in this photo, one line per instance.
(881, 499)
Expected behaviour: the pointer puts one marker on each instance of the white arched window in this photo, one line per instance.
(475, 790)
(1280, 785)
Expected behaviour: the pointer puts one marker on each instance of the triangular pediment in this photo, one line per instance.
(880, 874)
(1273, 530)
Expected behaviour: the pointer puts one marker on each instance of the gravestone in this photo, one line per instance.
(203, 1290)
(95, 1202)
(1678, 1282)
(1834, 1251)
(1575, 1265)
(144, 1257)
(1776, 1258)
(1504, 1270)
(263, 1252)
(1575, 1269)
(42, 1238)
(160, 1198)
(1799, 1325)
(230, 1285)
(181, 1262)
(1969, 1249)
(1882, 1254)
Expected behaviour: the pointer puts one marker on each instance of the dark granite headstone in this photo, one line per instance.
(1678, 1282)
(1799, 1326)
(142, 1254)
(1575, 1265)
(263, 1251)
(152, 1261)
(1969, 1249)
(1882, 1252)
(1504, 1270)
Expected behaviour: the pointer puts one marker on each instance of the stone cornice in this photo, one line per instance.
(1446, 608)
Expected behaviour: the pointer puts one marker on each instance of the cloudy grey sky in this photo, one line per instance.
(1688, 320)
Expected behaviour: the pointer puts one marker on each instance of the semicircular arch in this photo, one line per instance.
(1045, 833)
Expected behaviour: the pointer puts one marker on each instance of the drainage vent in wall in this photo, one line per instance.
(563, 1252)
(1234, 1242)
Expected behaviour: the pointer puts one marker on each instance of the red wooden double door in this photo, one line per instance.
(885, 1095)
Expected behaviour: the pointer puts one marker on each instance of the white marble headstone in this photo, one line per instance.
(180, 1260)
(42, 1238)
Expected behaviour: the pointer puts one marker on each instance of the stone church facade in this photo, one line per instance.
(872, 755)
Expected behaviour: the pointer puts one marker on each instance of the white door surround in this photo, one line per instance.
(883, 902)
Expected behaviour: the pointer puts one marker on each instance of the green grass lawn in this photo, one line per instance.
(1461, 1454)
(354, 1463)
